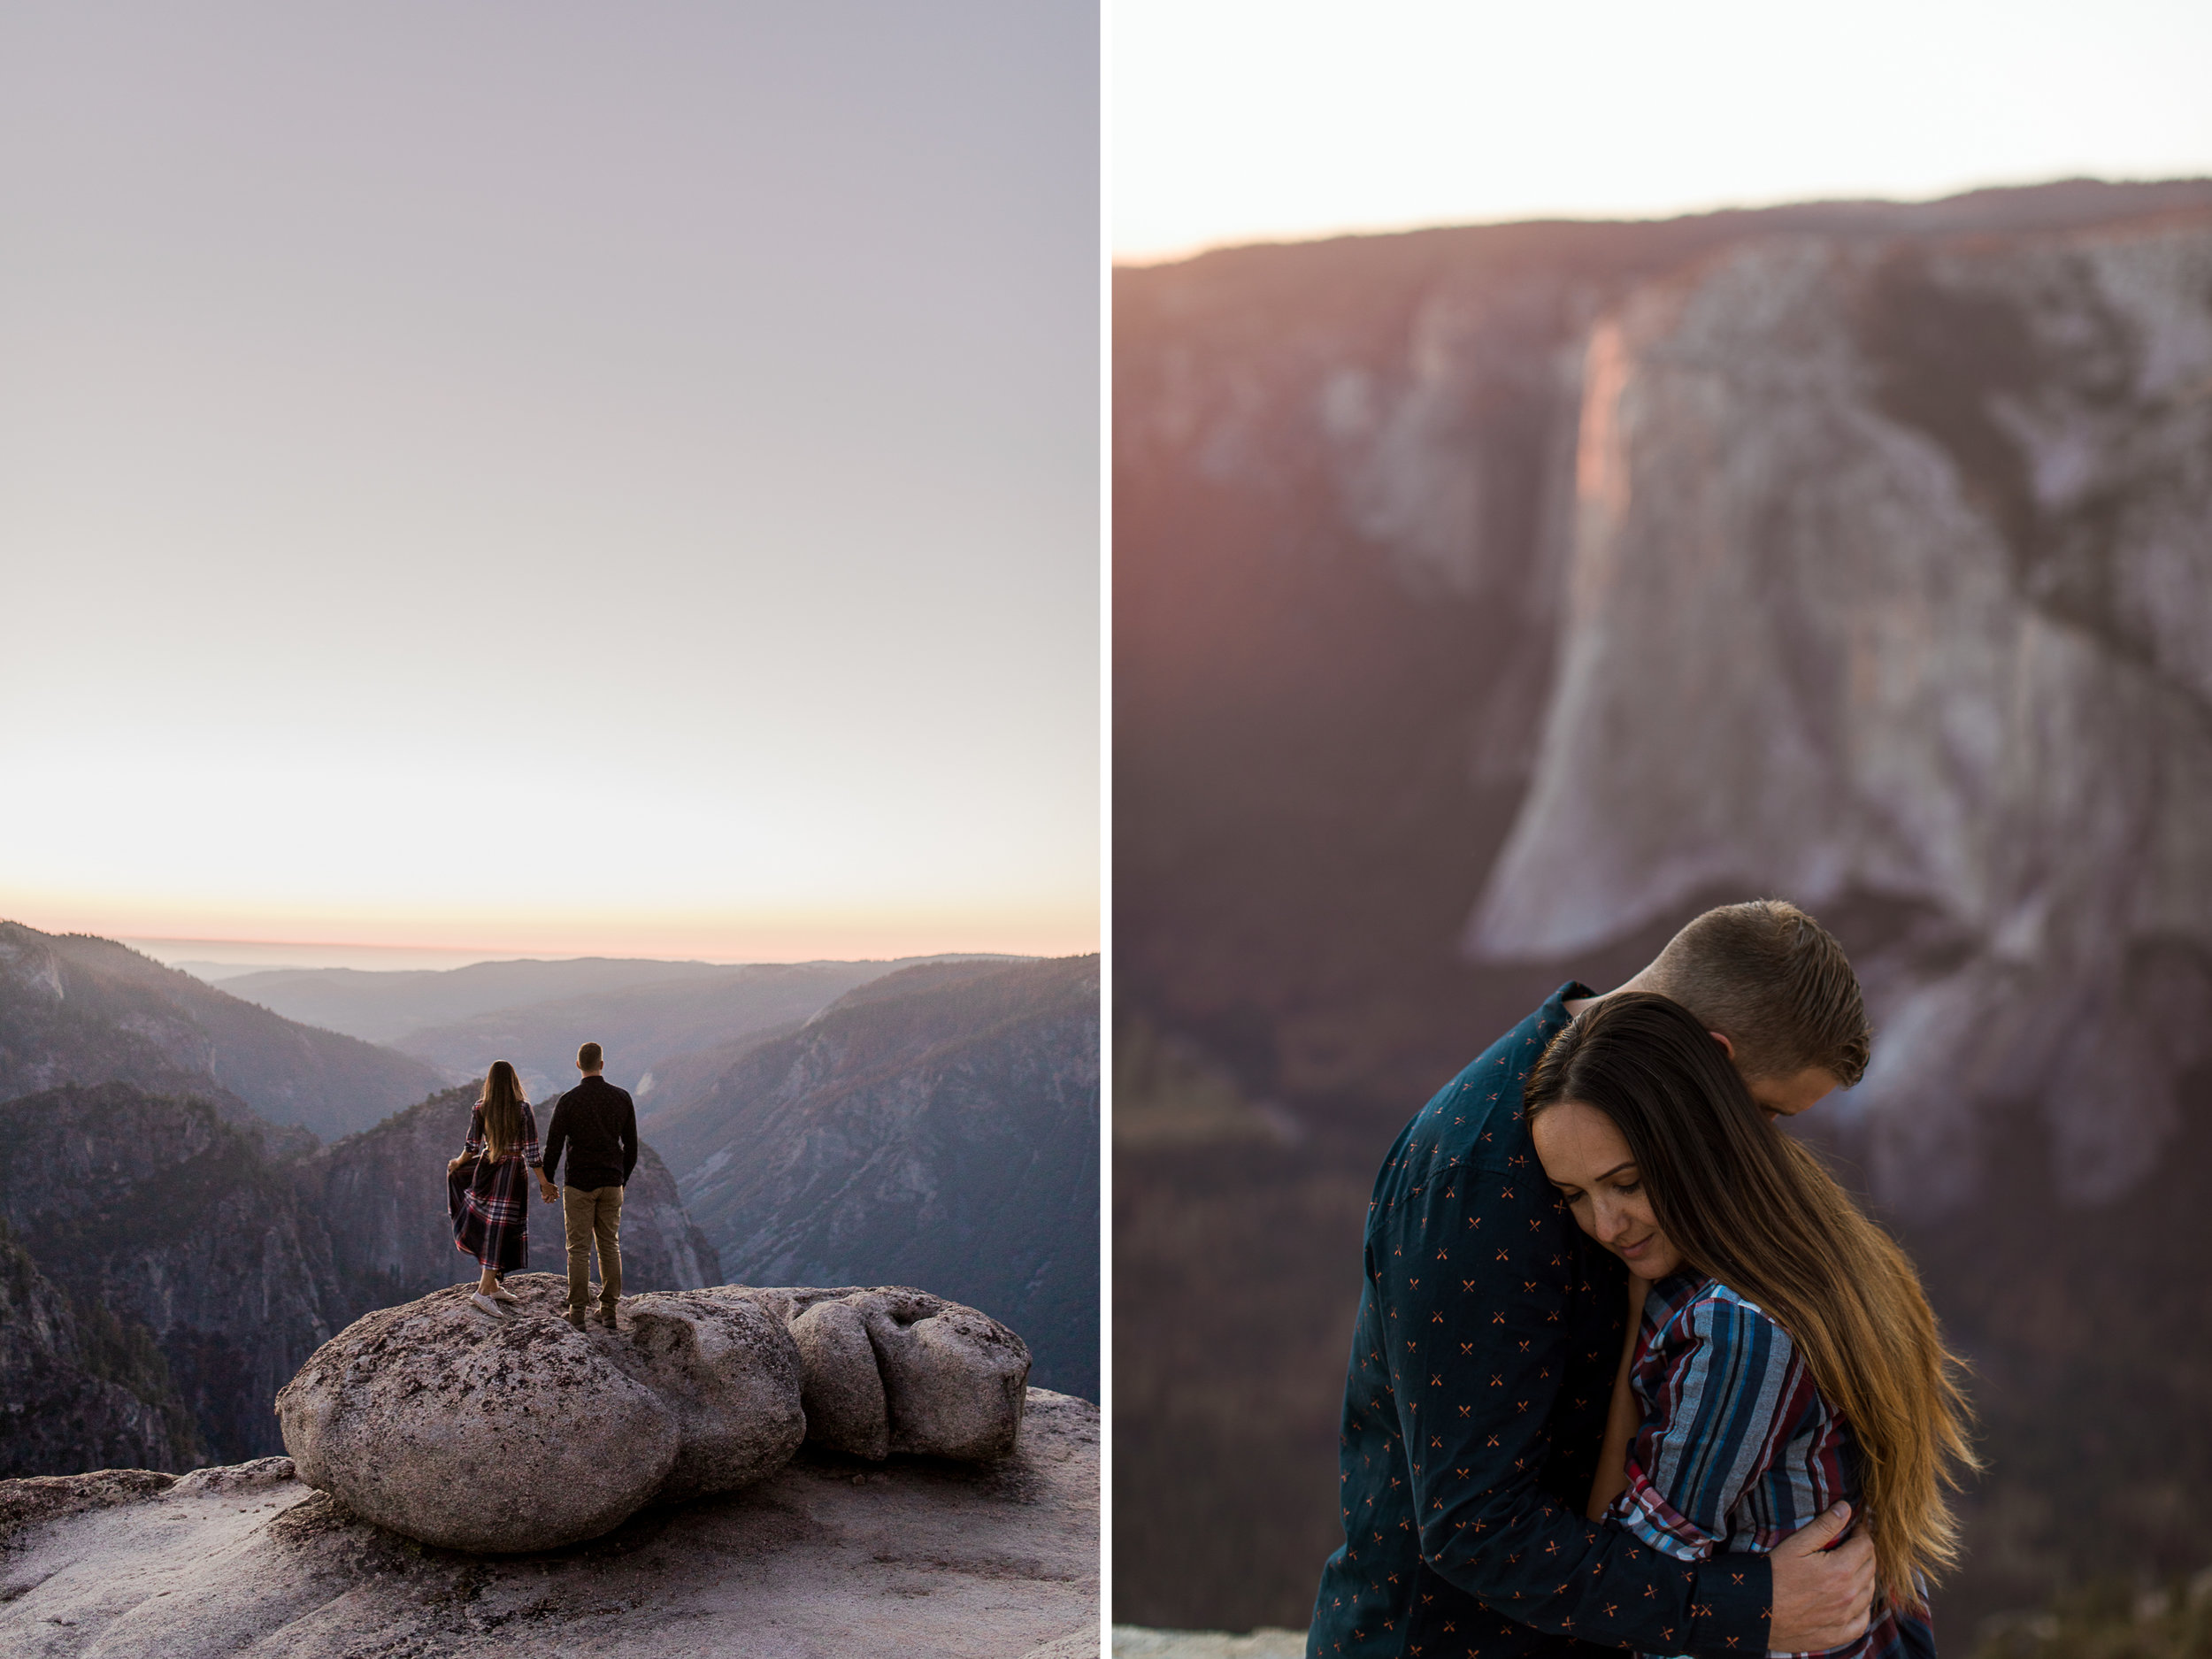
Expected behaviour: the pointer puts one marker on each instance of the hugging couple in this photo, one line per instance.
(1631, 1369)
(488, 1187)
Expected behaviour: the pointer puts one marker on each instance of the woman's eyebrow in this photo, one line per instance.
(1626, 1164)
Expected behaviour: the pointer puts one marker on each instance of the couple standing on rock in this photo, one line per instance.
(487, 1186)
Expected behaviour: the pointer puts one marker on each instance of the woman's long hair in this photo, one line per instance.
(1752, 1207)
(501, 1103)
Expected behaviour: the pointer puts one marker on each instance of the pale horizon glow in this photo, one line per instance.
(252, 954)
(537, 477)
(1237, 121)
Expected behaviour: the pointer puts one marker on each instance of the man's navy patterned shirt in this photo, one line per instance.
(1474, 1409)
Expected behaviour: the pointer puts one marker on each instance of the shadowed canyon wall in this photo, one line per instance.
(938, 1127)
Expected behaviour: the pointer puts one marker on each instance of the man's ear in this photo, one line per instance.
(1726, 1047)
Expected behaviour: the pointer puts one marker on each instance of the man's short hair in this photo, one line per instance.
(590, 1059)
(1776, 983)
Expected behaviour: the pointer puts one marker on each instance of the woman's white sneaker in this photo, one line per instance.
(488, 1305)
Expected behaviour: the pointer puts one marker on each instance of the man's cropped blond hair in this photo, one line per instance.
(1776, 982)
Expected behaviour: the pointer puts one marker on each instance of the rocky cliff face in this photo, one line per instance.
(181, 1223)
(79, 1010)
(62, 1403)
(240, 1263)
(938, 1126)
(1892, 575)
(1490, 600)
(1353, 484)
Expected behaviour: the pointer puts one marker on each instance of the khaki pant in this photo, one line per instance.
(596, 1214)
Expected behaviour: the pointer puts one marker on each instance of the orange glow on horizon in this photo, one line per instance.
(706, 939)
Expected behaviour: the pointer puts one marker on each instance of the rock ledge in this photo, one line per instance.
(830, 1555)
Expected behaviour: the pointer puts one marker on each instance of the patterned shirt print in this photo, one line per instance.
(1488, 1334)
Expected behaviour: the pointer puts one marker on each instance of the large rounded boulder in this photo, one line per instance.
(729, 1372)
(891, 1369)
(520, 1432)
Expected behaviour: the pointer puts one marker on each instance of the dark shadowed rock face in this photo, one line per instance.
(180, 1222)
(61, 1405)
(938, 1126)
(241, 1263)
(1488, 602)
(79, 1010)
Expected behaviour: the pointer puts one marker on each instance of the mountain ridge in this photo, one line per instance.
(75, 1008)
(942, 1133)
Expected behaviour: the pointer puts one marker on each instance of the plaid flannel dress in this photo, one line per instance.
(1737, 1449)
(489, 1200)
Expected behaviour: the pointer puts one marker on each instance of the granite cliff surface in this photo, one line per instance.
(74, 1009)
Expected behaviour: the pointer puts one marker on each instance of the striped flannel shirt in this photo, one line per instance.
(1737, 1449)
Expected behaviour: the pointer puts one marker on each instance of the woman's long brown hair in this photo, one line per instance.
(1752, 1207)
(502, 1104)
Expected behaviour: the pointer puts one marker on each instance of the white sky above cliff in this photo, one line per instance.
(1245, 121)
(551, 477)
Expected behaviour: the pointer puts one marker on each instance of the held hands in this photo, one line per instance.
(1823, 1596)
(546, 1190)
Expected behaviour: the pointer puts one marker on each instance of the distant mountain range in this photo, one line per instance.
(74, 1009)
(385, 1005)
(641, 1027)
(646, 1015)
(938, 1127)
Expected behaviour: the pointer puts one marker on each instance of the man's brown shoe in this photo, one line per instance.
(607, 1317)
(575, 1317)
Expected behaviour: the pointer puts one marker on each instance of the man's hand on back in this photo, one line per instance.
(1822, 1596)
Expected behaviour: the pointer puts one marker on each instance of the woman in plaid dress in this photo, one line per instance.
(1781, 1357)
(488, 1187)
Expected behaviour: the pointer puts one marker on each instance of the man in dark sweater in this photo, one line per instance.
(1489, 1332)
(596, 1124)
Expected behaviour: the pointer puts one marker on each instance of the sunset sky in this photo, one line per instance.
(1243, 121)
(552, 478)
